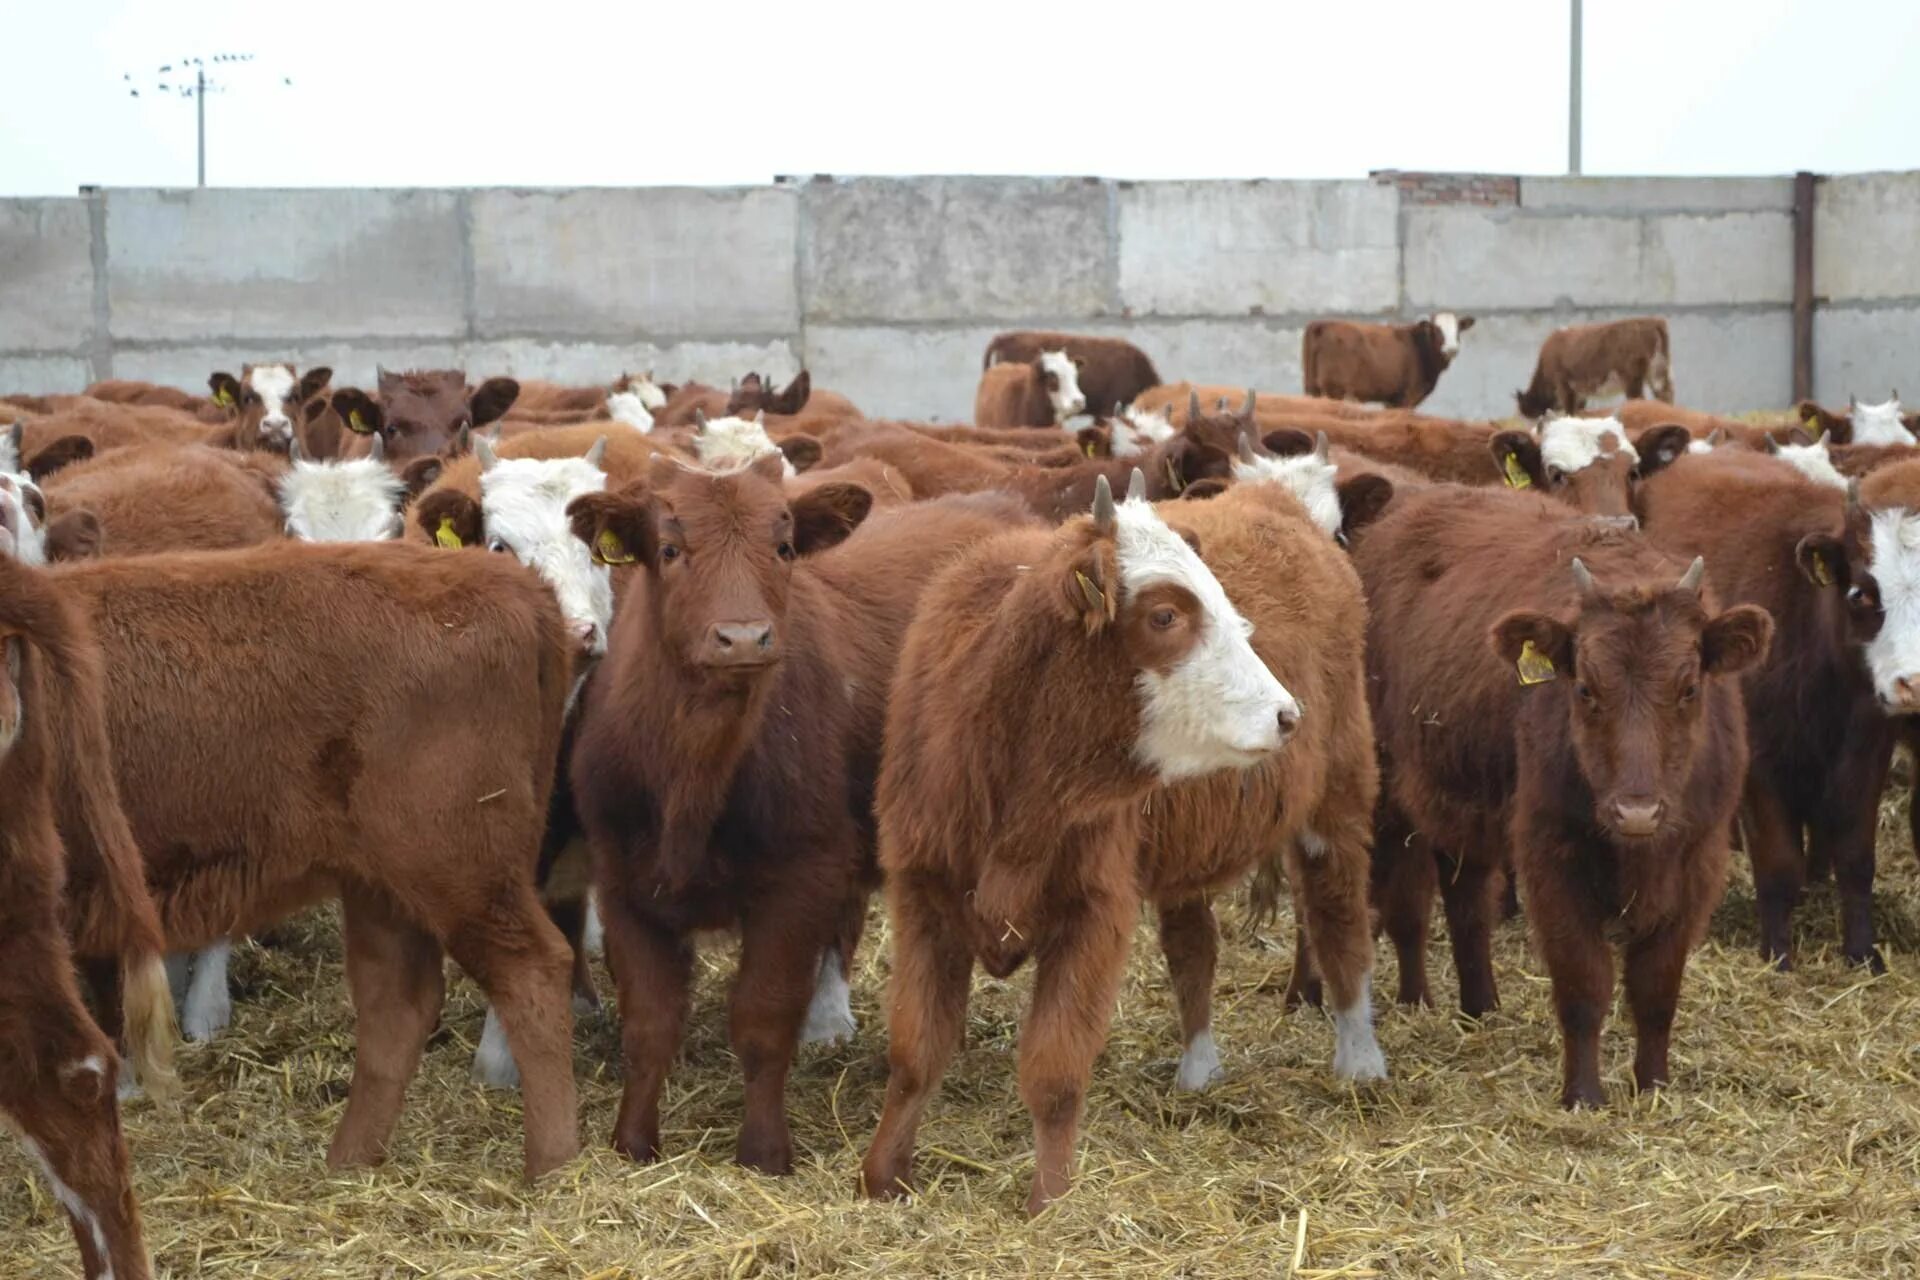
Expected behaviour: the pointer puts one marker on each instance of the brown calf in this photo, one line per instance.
(1864, 424)
(795, 407)
(1050, 682)
(1621, 356)
(1397, 365)
(725, 762)
(268, 404)
(164, 497)
(420, 413)
(1111, 371)
(1041, 392)
(113, 426)
(132, 391)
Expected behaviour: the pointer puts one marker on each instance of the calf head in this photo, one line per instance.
(1878, 423)
(23, 518)
(1631, 663)
(634, 400)
(347, 500)
(724, 443)
(1447, 328)
(718, 549)
(267, 401)
(1307, 473)
(1586, 462)
(1875, 564)
(420, 414)
(755, 395)
(1058, 375)
(522, 510)
(1810, 457)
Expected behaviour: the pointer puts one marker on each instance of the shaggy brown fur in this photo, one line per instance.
(1397, 365)
(193, 497)
(1112, 371)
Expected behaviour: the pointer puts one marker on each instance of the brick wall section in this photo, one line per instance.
(1487, 189)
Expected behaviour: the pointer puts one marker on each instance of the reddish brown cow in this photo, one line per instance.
(57, 1069)
(260, 773)
(1620, 356)
(682, 401)
(1040, 392)
(1050, 683)
(1616, 794)
(1174, 398)
(1397, 365)
(1834, 574)
(164, 497)
(269, 404)
(420, 414)
(1863, 424)
(132, 391)
(795, 407)
(726, 756)
(113, 426)
(1111, 370)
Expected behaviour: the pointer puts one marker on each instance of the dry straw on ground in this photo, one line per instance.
(1789, 1145)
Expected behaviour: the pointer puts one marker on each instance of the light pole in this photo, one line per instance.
(166, 79)
(1573, 95)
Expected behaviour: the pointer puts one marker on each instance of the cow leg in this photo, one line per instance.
(927, 1012)
(781, 945)
(1191, 943)
(652, 978)
(522, 963)
(1079, 964)
(394, 973)
(1846, 840)
(569, 916)
(1581, 969)
(1653, 967)
(1331, 867)
(1304, 984)
(209, 1004)
(1466, 891)
(1404, 880)
(1779, 870)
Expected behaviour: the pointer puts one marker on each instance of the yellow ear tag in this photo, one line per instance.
(1517, 478)
(608, 549)
(223, 398)
(445, 535)
(1535, 667)
(1089, 448)
(1814, 429)
(1822, 576)
(358, 424)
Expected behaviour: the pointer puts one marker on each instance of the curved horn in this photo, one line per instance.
(1137, 486)
(1246, 410)
(377, 448)
(1193, 406)
(597, 451)
(1320, 446)
(759, 417)
(1772, 445)
(1102, 505)
(1690, 580)
(1582, 578)
(1220, 404)
(1717, 435)
(483, 449)
(1246, 447)
(699, 420)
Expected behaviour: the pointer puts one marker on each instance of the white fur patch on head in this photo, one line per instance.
(9, 453)
(1066, 398)
(727, 444)
(1219, 707)
(1137, 430)
(1880, 424)
(523, 503)
(357, 500)
(76, 1208)
(1307, 476)
(29, 536)
(1814, 462)
(1894, 654)
(1449, 326)
(631, 408)
(1574, 444)
(652, 398)
(274, 384)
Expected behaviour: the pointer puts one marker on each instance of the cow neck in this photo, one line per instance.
(1432, 364)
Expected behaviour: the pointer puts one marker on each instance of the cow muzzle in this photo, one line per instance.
(739, 645)
(1904, 698)
(1637, 817)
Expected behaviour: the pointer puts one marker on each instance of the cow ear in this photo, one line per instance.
(491, 400)
(74, 536)
(1190, 460)
(802, 451)
(225, 388)
(420, 473)
(794, 398)
(1465, 323)
(314, 381)
(1735, 640)
(1286, 442)
(63, 452)
(1090, 588)
(1822, 559)
(359, 411)
(1659, 446)
(450, 519)
(1362, 500)
(1798, 436)
(824, 516)
(1517, 455)
(1095, 442)
(1539, 646)
(618, 528)
(1211, 487)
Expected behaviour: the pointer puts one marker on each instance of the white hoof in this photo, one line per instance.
(493, 1064)
(830, 1015)
(1199, 1065)
(209, 1004)
(593, 937)
(1356, 1054)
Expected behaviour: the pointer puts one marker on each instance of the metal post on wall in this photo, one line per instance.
(1573, 95)
(1803, 285)
(200, 105)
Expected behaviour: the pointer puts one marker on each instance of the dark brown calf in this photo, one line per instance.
(727, 749)
(1397, 365)
(420, 413)
(1111, 371)
(1621, 356)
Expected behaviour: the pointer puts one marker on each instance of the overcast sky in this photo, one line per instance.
(392, 93)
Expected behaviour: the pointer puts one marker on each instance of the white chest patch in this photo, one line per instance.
(726, 444)
(1814, 462)
(1573, 444)
(1218, 707)
(357, 500)
(523, 502)
(1066, 398)
(1306, 476)
(1880, 424)
(1449, 326)
(1894, 654)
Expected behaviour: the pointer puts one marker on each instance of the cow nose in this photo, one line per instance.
(1906, 695)
(586, 638)
(732, 644)
(1637, 817)
(1289, 718)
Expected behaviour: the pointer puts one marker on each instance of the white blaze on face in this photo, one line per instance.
(1894, 654)
(1066, 398)
(631, 408)
(352, 501)
(1880, 424)
(1574, 444)
(1307, 476)
(76, 1208)
(274, 384)
(1449, 326)
(1813, 462)
(1218, 707)
(727, 444)
(523, 503)
(1137, 430)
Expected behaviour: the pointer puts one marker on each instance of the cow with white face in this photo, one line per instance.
(729, 443)
(1062, 377)
(350, 500)
(267, 401)
(1882, 581)
(1449, 326)
(1880, 423)
(1311, 477)
(634, 400)
(1810, 457)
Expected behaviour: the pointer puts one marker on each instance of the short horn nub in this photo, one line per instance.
(1102, 505)
(1246, 410)
(1193, 405)
(1690, 580)
(1582, 578)
(1137, 486)
(1246, 447)
(699, 419)
(1320, 445)
(377, 449)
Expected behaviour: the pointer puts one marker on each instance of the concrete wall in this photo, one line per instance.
(888, 289)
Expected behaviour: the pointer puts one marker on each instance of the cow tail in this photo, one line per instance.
(152, 1034)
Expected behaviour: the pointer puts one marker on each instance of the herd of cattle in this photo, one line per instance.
(746, 655)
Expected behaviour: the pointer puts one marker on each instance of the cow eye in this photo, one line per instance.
(1860, 598)
(1689, 693)
(669, 553)
(1556, 476)
(496, 544)
(1586, 694)
(1163, 617)
(786, 551)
